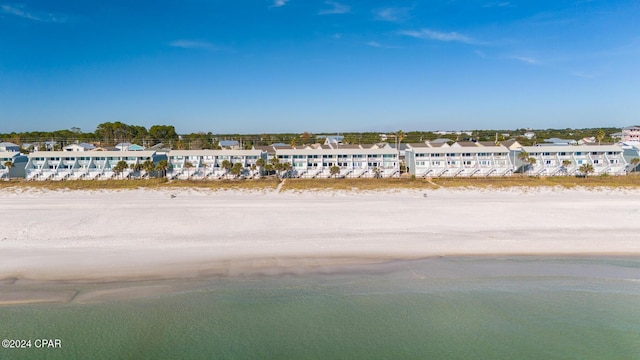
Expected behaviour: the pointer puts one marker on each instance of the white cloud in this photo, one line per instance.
(526, 59)
(20, 12)
(336, 8)
(279, 3)
(391, 14)
(376, 44)
(427, 34)
(192, 44)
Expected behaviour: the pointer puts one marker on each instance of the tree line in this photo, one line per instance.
(112, 133)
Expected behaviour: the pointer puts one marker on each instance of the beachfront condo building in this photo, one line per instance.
(16, 168)
(208, 164)
(89, 165)
(567, 160)
(352, 161)
(631, 152)
(458, 160)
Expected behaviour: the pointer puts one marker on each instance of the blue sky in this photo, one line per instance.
(320, 66)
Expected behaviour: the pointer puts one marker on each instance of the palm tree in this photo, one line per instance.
(524, 157)
(8, 164)
(376, 172)
(148, 167)
(236, 169)
(268, 168)
(586, 169)
(287, 168)
(188, 165)
(276, 165)
(163, 166)
(137, 167)
(226, 165)
(120, 167)
(532, 161)
(600, 135)
(565, 164)
(334, 170)
(634, 162)
(279, 167)
(400, 136)
(260, 163)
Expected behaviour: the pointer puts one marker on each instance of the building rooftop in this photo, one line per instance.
(486, 143)
(228, 143)
(571, 148)
(465, 144)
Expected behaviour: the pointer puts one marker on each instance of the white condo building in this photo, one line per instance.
(353, 162)
(62, 165)
(208, 163)
(425, 160)
(605, 159)
(16, 169)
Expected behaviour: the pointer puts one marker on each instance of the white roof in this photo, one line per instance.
(572, 148)
(8, 154)
(335, 151)
(460, 150)
(208, 152)
(92, 154)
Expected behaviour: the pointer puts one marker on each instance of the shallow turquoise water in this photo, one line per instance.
(444, 309)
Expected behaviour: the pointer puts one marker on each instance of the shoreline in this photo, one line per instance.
(16, 292)
(143, 235)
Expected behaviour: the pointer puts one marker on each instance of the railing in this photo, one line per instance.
(556, 171)
(542, 169)
(361, 172)
(345, 172)
(475, 171)
(315, 173)
(506, 171)
(391, 173)
(490, 171)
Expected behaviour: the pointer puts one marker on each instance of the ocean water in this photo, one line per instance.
(465, 308)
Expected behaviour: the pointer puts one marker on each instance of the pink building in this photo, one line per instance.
(631, 133)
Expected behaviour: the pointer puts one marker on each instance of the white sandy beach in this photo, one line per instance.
(145, 234)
